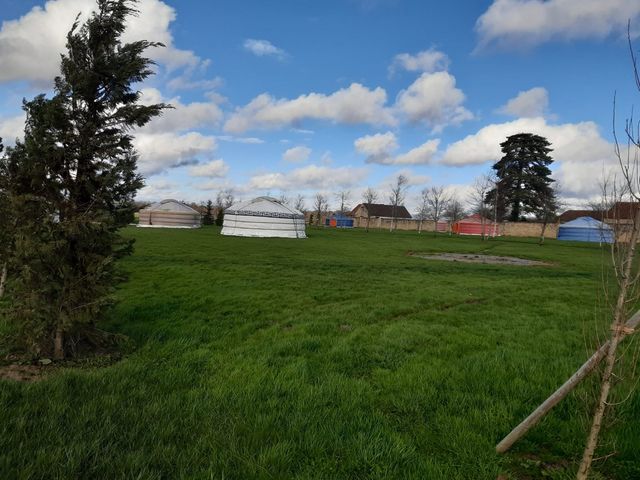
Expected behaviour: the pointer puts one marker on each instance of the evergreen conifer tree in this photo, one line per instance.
(524, 177)
(207, 219)
(73, 182)
(7, 223)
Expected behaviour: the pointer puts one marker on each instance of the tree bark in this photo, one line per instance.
(58, 344)
(3, 279)
(617, 332)
(544, 228)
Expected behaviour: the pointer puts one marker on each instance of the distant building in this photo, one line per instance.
(338, 221)
(379, 210)
(263, 217)
(476, 225)
(169, 214)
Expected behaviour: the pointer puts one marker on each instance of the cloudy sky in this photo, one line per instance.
(300, 96)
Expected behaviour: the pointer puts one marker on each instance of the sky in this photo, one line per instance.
(295, 97)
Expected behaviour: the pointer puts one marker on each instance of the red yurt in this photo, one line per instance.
(473, 226)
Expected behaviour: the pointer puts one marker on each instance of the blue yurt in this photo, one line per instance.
(586, 229)
(339, 221)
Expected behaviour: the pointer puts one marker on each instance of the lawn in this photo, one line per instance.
(338, 356)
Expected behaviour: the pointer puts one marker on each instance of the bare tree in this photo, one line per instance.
(299, 204)
(437, 201)
(343, 198)
(423, 208)
(611, 190)
(320, 206)
(283, 199)
(224, 199)
(369, 196)
(625, 268)
(478, 199)
(454, 211)
(548, 210)
(396, 198)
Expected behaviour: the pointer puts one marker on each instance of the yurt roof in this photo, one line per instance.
(263, 207)
(586, 222)
(170, 205)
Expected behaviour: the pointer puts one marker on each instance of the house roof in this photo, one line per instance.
(573, 214)
(623, 210)
(381, 210)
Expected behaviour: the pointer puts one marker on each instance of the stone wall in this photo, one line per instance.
(528, 229)
(508, 229)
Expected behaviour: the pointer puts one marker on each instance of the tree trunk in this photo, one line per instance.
(3, 278)
(58, 344)
(420, 226)
(617, 332)
(544, 228)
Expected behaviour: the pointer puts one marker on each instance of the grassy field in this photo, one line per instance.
(338, 356)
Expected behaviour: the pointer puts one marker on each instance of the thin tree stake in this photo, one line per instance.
(517, 433)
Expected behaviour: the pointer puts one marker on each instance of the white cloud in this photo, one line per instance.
(160, 151)
(427, 61)
(30, 46)
(245, 140)
(526, 23)
(158, 189)
(263, 48)
(187, 82)
(419, 155)
(582, 155)
(181, 117)
(530, 103)
(379, 149)
(11, 128)
(413, 179)
(434, 99)
(212, 169)
(296, 154)
(355, 104)
(311, 177)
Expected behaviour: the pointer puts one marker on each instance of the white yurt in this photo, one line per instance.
(169, 214)
(263, 217)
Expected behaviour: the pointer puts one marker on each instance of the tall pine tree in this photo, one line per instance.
(524, 179)
(207, 218)
(73, 182)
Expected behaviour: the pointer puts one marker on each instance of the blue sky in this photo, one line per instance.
(299, 96)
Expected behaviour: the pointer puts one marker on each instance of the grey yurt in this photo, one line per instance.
(263, 217)
(169, 214)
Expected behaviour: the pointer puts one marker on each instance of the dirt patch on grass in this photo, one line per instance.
(478, 258)
(24, 373)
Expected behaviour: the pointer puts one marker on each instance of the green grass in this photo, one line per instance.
(338, 356)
